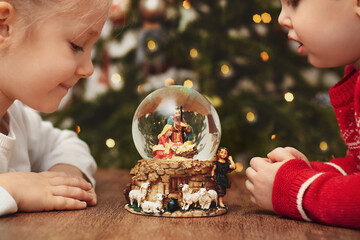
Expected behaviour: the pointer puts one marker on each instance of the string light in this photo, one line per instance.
(289, 97)
(151, 45)
(194, 53)
(186, 4)
(266, 17)
(78, 129)
(116, 78)
(188, 83)
(110, 143)
(250, 116)
(273, 137)
(257, 18)
(323, 146)
(264, 56)
(225, 69)
(139, 88)
(216, 101)
(151, 5)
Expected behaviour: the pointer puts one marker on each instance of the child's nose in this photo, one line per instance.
(284, 19)
(85, 68)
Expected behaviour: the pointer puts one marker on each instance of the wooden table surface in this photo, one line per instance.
(109, 220)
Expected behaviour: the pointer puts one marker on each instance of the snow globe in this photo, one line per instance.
(177, 132)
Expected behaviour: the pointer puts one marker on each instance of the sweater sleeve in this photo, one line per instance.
(7, 203)
(345, 166)
(49, 146)
(303, 193)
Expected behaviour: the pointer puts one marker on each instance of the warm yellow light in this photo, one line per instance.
(78, 129)
(151, 45)
(188, 83)
(264, 56)
(273, 137)
(323, 146)
(289, 97)
(238, 167)
(116, 78)
(216, 101)
(139, 88)
(110, 143)
(169, 81)
(250, 116)
(266, 17)
(186, 4)
(225, 69)
(194, 53)
(257, 18)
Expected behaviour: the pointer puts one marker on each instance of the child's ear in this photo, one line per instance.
(357, 7)
(7, 14)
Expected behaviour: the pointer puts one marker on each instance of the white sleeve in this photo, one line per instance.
(50, 146)
(7, 203)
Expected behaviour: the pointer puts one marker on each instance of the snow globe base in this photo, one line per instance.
(192, 213)
(185, 186)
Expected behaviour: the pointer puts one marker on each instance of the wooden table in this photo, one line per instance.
(109, 220)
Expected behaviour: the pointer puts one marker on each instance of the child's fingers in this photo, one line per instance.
(252, 199)
(280, 154)
(93, 202)
(250, 173)
(71, 181)
(257, 163)
(249, 186)
(51, 174)
(296, 153)
(62, 203)
(72, 192)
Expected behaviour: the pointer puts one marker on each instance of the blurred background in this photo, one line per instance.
(233, 52)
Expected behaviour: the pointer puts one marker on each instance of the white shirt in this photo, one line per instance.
(34, 145)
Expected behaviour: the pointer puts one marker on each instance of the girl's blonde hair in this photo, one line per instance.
(35, 11)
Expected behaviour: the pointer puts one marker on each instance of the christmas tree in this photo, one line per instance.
(233, 52)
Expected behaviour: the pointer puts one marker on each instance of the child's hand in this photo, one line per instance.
(261, 175)
(284, 154)
(47, 191)
(75, 172)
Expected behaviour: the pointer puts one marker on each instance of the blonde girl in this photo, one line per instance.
(45, 48)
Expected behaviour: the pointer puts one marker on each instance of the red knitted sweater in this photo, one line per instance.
(328, 192)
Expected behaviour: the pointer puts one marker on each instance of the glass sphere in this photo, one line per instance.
(176, 122)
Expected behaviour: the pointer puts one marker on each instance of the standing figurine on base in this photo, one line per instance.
(223, 165)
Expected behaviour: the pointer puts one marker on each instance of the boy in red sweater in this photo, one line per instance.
(328, 32)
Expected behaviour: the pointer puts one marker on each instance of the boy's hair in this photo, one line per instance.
(32, 12)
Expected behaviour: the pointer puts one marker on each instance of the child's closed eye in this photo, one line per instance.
(76, 48)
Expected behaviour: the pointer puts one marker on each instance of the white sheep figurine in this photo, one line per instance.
(213, 195)
(207, 197)
(139, 195)
(153, 207)
(188, 197)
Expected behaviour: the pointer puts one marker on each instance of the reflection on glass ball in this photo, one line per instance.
(176, 122)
